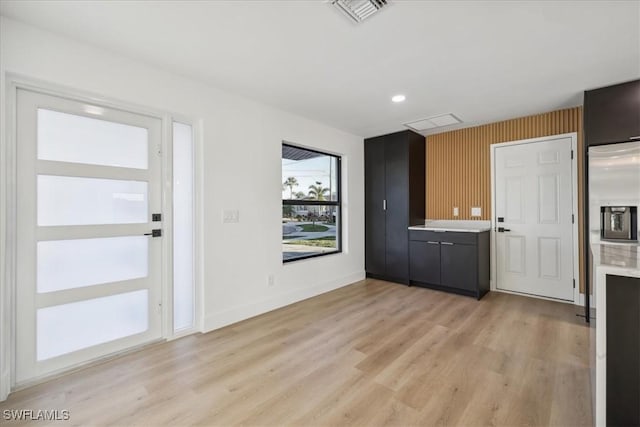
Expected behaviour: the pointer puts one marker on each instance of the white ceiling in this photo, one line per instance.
(481, 60)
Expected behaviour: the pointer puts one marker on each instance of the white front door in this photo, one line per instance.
(88, 275)
(533, 218)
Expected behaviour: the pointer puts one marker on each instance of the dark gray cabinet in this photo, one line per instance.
(459, 266)
(424, 261)
(612, 114)
(375, 214)
(450, 261)
(394, 200)
(623, 350)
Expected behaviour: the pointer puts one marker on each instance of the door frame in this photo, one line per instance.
(10, 83)
(574, 196)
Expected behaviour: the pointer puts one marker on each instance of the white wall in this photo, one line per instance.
(241, 158)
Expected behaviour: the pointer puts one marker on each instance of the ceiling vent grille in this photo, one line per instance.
(359, 10)
(434, 122)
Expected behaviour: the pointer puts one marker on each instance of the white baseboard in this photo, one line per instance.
(592, 301)
(243, 312)
(5, 385)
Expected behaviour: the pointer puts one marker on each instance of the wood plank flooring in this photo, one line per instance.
(372, 353)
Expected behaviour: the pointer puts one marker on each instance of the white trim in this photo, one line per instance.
(198, 191)
(7, 235)
(167, 226)
(9, 84)
(242, 312)
(524, 294)
(592, 300)
(198, 224)
(574, 190)
(66, 92)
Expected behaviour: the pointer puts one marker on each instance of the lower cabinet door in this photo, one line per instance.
(458, 266)
(424, 262)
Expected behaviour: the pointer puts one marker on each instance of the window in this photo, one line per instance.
(311, 202)
(183, 228)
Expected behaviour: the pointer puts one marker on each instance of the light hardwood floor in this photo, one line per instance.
(372, 353)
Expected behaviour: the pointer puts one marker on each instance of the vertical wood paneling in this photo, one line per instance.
(459, 168)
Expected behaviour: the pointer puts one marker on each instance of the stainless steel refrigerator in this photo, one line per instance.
(614, 181)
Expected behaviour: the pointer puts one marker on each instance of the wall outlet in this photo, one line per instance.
(456, 211)
(476, 211)
(230, 216)
(271, 280)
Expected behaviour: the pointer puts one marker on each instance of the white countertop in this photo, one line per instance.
(617, 255)
(594, 238)
(453, 225)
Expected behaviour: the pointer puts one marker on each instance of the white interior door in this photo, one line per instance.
(534, 207)
(88, 276)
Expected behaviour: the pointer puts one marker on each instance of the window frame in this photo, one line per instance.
(306, 202)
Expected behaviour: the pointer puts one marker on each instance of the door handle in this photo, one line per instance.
(635, 137)
(433, 243)
(384, 204)
(154, 233)
(446, 243)
(502, 229)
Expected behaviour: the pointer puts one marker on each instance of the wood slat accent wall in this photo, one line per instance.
(459, 166)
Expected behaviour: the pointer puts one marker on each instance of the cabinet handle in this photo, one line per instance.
(446, 243)
(433, 243)
(635, 137)
(384, 204)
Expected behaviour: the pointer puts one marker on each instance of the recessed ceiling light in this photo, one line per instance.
(93, 109)
(398, 98)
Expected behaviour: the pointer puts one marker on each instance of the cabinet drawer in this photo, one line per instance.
(426, 236)
(444, 236)
(460, 238)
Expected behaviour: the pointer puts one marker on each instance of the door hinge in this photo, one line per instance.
(571, 154)
(573, 219)
(574, 283)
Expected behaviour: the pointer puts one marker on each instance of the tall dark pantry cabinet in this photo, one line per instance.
(394, 200)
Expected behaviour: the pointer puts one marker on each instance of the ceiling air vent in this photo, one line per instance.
(359, 10)
(434, 122)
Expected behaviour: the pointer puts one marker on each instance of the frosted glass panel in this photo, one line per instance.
(64, 200)
(68, 264)
(183, 284)
(78, 139)
(65, 328)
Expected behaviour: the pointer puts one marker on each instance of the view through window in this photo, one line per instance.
(310, 203)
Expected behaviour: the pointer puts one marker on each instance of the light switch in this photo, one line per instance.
(456, 211)
(476, 211)
(230, 216)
